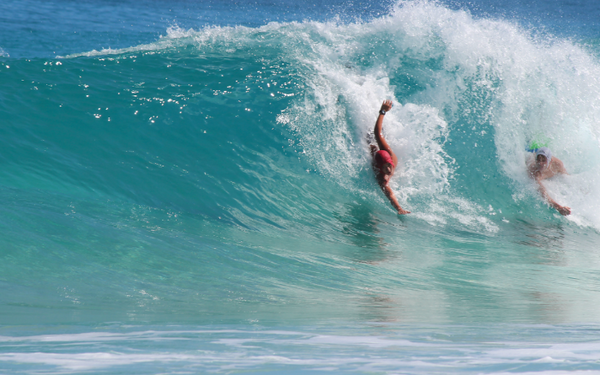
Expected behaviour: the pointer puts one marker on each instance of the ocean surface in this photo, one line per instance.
(186, 187)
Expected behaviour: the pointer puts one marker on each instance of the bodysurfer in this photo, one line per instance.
(384, 159)
(544, 166)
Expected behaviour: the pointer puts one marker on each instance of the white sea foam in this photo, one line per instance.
(401, 349)
(546, 88)
(92, 361)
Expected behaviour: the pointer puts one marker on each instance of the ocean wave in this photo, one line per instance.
(228, 167)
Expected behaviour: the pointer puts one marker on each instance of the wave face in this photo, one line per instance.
(221, 174)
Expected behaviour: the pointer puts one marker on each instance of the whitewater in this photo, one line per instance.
(187, 188)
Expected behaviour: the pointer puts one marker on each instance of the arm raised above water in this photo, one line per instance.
(381, 142)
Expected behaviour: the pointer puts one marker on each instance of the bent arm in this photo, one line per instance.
(381, 142)
(563, 210)
(390, 194)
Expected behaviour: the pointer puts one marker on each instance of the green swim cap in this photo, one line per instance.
(539, 141)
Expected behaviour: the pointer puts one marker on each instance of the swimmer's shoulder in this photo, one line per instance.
(557, 166)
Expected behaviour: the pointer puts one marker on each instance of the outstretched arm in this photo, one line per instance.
(390, 194)
(563, 210)
(381, 142)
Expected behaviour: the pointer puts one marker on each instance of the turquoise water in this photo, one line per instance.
(187, 188)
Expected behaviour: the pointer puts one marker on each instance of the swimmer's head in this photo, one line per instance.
(384, 162)
(387, 168)
(543, 155)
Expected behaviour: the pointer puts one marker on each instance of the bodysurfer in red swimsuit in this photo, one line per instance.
(384, 159)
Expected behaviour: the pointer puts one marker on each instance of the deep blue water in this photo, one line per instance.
(187, 187)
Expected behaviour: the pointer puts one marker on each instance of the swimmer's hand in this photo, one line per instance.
(564, 210)
(386, 106)
(402, 211)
